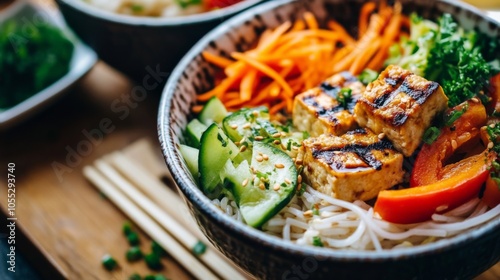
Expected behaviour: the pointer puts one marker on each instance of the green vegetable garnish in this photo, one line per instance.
(153, 261)
(456, 63)
(134, 254)
(127, 228)
(462, 62)
(32, 57)
(317, 241)
(109, 262)
(344, 97)
(315, 211)
(368, 76)
(454, 115)
(133, 238)
(134, 276)
(155, 277)
(199, 248)
(157, 249)
(494, 135)
(302, 189)
(186, 3)
(431, 134)
(136, 8)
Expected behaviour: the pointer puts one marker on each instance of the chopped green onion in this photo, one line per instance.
(136, 8)
(315, 211)
(157, 249)
(305, 135)
(134, 254)
(302, 189)
(317, 241)
(155, 277)
(199, 248)
(344, 96)
(134, 276)
(368, 76)
(186, 3)
(431, 134)
(109, 262)
(454, 115)
(133, 238)
(127, 228)
(153, 261)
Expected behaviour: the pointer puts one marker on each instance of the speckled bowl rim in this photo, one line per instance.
(109, 16)
(235, 228)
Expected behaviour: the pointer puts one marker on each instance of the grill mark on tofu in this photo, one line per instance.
(322, 111)
(408, 87)
(318, 111)
(420, 95)
(333, 90)
(364, 152)
(401, 105)
(392, 81)
(357, 131)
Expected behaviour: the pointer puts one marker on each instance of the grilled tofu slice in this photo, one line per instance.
(356, 165)
(317, 110)
(401, 105)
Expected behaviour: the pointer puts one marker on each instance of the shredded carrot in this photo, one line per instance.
(299, 55)
(264, 69)
(219, 61)
(337, 27)
(247, 85)
(298, 25)
(276, 108)
(311, 21)
(197, 109)
(366, 10)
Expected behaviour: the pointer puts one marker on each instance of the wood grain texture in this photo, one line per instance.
(67, 221)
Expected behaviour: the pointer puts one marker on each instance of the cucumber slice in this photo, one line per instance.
(213, 111)
(243, 123)
(258, 205)
(215, 149)
(190, 156)
(194, 130)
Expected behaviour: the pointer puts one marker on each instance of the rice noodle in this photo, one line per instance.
(355, 226)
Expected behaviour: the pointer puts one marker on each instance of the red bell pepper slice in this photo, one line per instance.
(430, 162)
(435, 185)
(462, 182)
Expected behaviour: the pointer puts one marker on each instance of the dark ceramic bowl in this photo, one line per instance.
(130, 44)
(268, 257)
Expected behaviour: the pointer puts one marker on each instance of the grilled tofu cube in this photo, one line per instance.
(317, 110)
(401, 105)
(356, 165)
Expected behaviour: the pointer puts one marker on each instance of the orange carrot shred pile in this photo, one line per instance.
(297, 56)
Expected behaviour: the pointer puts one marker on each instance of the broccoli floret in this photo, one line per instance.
(412, 53)
(461, 62)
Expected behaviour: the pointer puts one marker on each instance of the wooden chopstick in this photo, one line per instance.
(176, 250)
(156, 190)
(210, 258)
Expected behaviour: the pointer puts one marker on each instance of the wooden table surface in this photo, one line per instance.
(64, 225)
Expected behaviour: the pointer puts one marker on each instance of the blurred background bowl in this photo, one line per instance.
(131, 43)
(268, 257)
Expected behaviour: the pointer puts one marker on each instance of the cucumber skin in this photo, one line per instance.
(271, 202)
(194, 131)
(190, 156)
(213, 111)
(215, 149)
